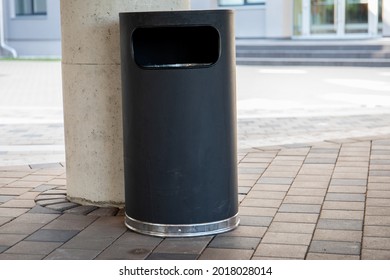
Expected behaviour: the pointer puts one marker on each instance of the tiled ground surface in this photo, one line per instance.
(327, 200)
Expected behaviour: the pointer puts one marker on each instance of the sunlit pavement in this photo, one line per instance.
(276, 105)
(313, 172)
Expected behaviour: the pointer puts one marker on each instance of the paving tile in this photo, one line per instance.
(42, 210)
(378, 243)
(278, 162)
(5, 180)
(72, 254)
(62, 206)
(377, 211)
(248, 176)
(286, 238)
(57, 182)
(312, 178)
(299, 208)
(70, 224)
(345, 197)
(81, 210)
(91, 242)
(51, 201)
(13, 174)
(38, 178)
(352, 164)
(378, 186)
(12, 212)
(306, 192)
(8, 239)
(14, 227)
(342, 214)
(340, 224)
(310, 185)
(36, 218)
(44, 187)
(338, 235)
(267, 187)
(319, 256)
(281, 251)
(226, 254)
(343, 205)
(246, 231)
(246, 183)
(5, 198)
(104, 211)
(3, 248)
(320, 160)
(335, 247)
(292, 199)
(385, 173)
(266, 194)
(378, 194)
(279, 174)
(20, 257)
(4, 220)
(376, 231)
(347, 189)
(256, 202)
(255, 221)
(349, 176)
(52, 235)
(183, 245)
(246, 170)
(281, 168)
(291, 227)
(34, 248)
(294, 152)
(171, 256)
(378, 202)
(377, 221)
(348, 182)
(368, 254)
(18, 203)
(233, 242)
(244, 190)
(28, 196)
(296, 218)
(257, 211)
(378, 179)
(24, 184)
(275, 181)
(13, 191)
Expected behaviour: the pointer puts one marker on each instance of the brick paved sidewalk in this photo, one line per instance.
(328, 200)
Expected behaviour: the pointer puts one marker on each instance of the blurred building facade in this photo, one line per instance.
(306, 19)
(32, 27)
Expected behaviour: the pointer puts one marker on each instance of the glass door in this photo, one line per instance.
(356, 16)
(323, 17)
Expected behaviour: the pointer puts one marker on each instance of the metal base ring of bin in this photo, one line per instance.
(182, 230)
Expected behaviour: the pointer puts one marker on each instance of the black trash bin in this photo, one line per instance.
(179, 122)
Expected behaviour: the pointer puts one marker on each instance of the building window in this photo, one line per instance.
(30, 7)
(240, 2)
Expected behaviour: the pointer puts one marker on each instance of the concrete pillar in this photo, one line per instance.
(386, 17)
(279, 19)
(92, 96)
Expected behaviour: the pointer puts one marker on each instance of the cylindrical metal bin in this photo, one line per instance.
(179, 122)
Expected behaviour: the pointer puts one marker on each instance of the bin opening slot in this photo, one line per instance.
(176, 47)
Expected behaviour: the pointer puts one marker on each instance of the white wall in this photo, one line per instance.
(386, 18)
(34, 35)
(279, 19)
(249, 20)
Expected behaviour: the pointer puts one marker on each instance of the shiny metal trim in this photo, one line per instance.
(182, 230)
